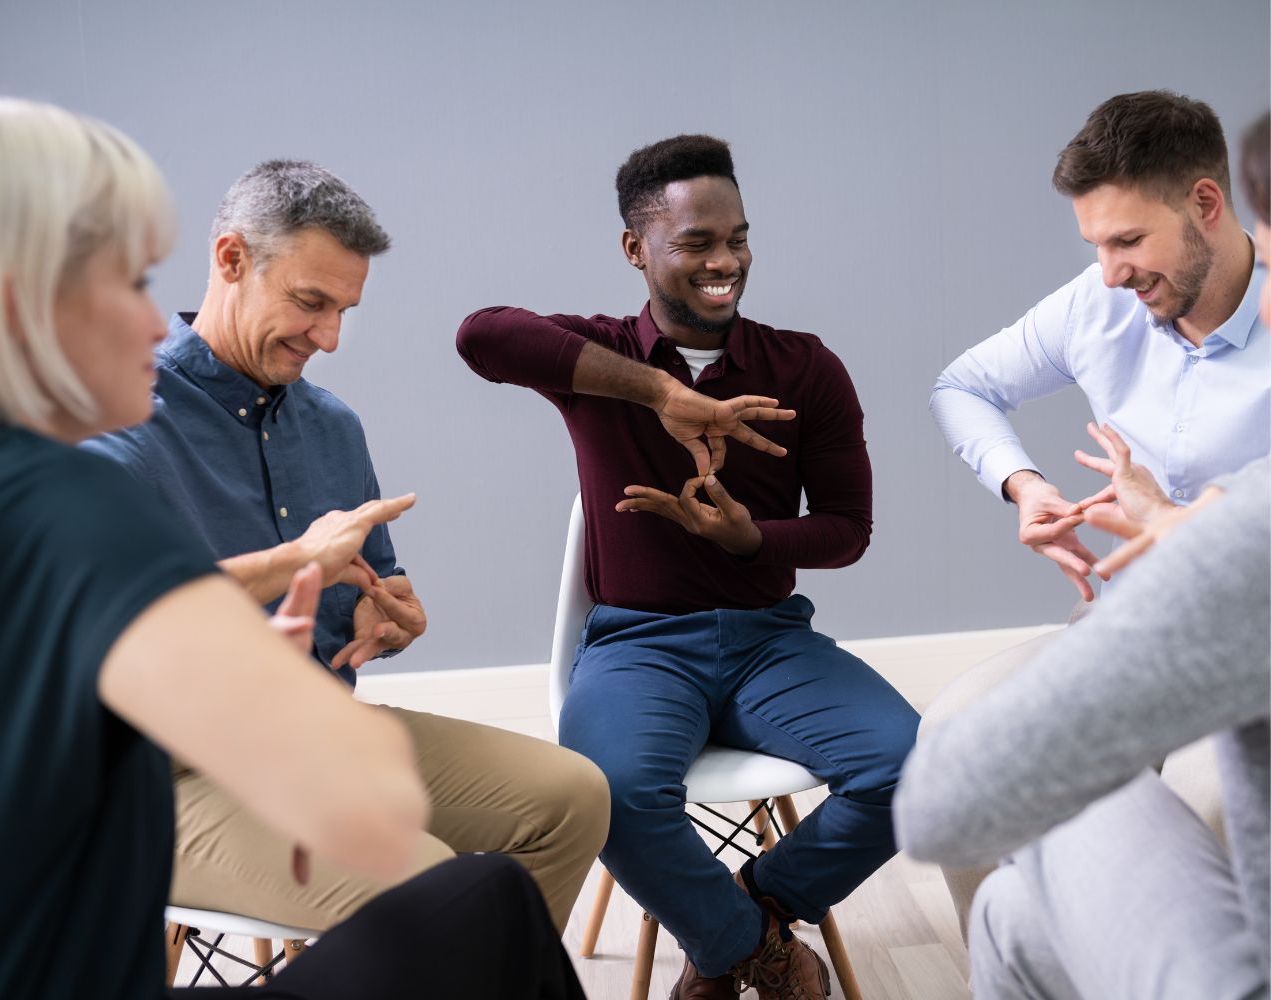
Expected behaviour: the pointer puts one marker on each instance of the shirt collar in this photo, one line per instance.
(1240, 323)
(649, 336)
(242, 398)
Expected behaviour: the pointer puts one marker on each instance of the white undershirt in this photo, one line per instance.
(698, 360)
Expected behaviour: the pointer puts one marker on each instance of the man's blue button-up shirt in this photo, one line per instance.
(247, 468)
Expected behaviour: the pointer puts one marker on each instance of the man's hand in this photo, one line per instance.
(334, 541)
(688, 416)
(388, 616)
(1047, 524)
(1139, 497)
(1141, 535)
(727, 524)
(294, 617)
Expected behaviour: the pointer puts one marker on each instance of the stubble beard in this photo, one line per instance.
(682, 313)
(1198, 261)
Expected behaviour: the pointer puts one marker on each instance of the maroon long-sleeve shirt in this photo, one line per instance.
(643, 561)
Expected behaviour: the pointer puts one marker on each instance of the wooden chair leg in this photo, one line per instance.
(763, 826)
(829, 926)
(838, 958)
(598, 909)
(174, 936)
(294, 947)
(643, 974)
(264, 952)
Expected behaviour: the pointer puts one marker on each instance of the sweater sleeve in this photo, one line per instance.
(505, 344)
(837, 480)
(1178, 651)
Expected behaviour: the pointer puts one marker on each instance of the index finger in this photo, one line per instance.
(380, 511)
(1117, 560)
(756, 440)
(1038, 534)
(701, 457)
(765, 413)
(406, 615)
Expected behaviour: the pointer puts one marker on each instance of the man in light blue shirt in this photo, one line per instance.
(1162, 334)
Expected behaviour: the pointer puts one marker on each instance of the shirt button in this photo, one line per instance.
(1179, 494)
(1193, 358)
(242, 413)
(261, 400)
(282, 511)
(1178, 427)
(265, 435)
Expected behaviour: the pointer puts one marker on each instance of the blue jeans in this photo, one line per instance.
(646, 694)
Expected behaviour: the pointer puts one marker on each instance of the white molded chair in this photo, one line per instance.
(719, 775)
(188, 927)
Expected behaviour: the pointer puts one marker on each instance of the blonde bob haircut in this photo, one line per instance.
(69, 188)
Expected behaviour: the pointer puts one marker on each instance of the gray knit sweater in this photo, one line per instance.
(1181, 649)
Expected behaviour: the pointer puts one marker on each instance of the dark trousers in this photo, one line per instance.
(649, 690)
(474, 928)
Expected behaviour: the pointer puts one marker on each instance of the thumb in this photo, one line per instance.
(302, 596)
(720, 496)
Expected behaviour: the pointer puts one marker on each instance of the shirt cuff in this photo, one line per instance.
(1000, 462)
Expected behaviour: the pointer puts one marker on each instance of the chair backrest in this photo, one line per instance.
(572, 605)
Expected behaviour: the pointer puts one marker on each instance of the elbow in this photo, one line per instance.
(380, 837)
(473, 335)
(854, 539)
(374, 825)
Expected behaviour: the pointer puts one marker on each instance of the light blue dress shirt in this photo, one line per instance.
(246, 468)
(1190, 414)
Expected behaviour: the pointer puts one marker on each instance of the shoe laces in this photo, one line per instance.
(773, 969)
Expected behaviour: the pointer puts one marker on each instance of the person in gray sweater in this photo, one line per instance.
(1111, 886)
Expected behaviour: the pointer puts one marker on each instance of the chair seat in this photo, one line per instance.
(234, 923)
(725, 774)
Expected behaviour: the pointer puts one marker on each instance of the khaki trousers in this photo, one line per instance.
(1192, 772)
(492, 791)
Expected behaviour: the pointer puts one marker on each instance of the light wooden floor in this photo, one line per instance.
(899, 926)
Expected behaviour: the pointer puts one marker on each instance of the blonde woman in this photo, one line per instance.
(120, 642)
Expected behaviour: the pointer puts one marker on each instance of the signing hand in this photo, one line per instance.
(334, 541)
(727, 524)
(294, 617)
(388, 616)
(688, 416)
(1047, 524)
(1141, 535)
(1133, 487)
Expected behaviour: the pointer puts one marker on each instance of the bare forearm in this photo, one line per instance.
(202, 674)
(264, 574)
(602, 372)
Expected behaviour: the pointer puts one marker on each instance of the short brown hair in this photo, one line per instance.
(1255, 167)
(1153, 139)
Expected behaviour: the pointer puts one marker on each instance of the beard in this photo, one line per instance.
(681, 312)
(1198, 259)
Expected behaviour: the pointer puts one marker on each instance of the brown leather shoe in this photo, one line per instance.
(784, 969)
(692, 985)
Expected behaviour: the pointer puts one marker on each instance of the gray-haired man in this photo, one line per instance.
(273, 472)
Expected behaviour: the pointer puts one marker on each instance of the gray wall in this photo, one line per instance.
(895, 161)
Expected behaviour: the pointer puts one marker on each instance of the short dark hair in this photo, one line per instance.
(1255, 167)
(1154, 139)
(643, 178)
